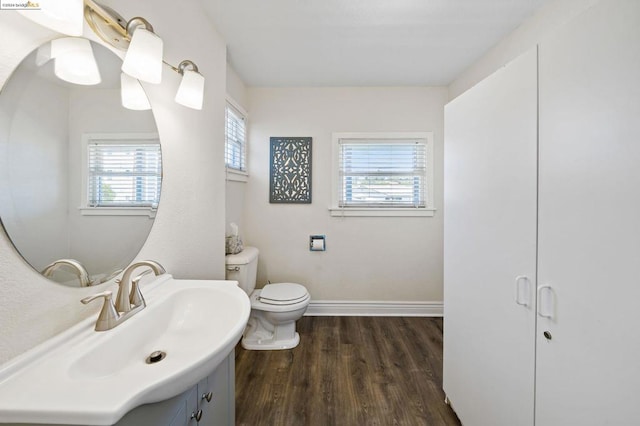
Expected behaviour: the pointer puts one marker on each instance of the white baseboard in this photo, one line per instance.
(337, 308)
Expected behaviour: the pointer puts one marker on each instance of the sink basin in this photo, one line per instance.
(86, 377)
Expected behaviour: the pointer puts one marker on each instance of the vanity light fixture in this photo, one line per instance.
(132, 93)
(74, 61)
(191, 90)
(143, 58)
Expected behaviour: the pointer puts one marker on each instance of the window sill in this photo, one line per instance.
(380, 212)
(236, 176)
(118, 211)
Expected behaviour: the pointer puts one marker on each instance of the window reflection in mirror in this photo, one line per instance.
(44, 126)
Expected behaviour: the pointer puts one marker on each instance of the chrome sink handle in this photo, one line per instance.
(108, 317)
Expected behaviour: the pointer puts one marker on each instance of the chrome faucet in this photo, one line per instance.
(128, 302)
(82, 273)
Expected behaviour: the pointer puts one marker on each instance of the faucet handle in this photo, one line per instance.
(135, 296)
(108, 317)
(105, 294)
(122, 303)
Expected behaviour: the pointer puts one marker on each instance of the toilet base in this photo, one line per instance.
(257, 343)
(269, 331)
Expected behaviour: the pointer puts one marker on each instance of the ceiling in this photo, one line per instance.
(273, 43)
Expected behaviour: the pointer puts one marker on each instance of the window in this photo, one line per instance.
(123, 173)
(383, 174)
(235, 139)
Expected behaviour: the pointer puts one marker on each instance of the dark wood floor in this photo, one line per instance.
(347, 371)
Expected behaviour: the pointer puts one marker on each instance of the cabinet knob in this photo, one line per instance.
(547, 335)
(197, 415)
(207, 396)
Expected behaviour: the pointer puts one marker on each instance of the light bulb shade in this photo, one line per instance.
(133, 95)
(74, 61)
(63, 16)
(143, 59)
(191, 90)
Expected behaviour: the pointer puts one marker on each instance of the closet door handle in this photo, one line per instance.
(522, 290)
(546, 305)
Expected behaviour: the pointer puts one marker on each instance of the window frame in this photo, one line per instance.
(392, 211)
(116, 138)
(233, 174)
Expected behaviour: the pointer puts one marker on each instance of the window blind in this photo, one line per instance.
(382, 173)
(124, 175)
(235, 139)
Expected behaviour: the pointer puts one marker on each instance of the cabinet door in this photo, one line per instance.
(589, 372)
(216, 395)
(490, 247)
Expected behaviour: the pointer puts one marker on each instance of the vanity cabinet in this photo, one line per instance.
(212, 400)
(182, 409)
(542, 208)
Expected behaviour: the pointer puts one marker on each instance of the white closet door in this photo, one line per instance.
(490, 247)
(589, 245)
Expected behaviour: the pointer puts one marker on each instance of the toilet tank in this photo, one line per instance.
(243, 267)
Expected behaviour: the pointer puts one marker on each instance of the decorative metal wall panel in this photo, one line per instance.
(290, 176)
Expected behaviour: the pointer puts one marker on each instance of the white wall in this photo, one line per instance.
(381, 259)
(188, 234)
(236, 88)
(550, 17)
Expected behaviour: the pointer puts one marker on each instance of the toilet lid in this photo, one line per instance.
(283, 294)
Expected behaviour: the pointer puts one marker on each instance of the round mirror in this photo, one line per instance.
(80, 174)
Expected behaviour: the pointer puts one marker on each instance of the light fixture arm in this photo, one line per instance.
(136, 22)
(106, 17)
(143, 52)
(186, 63)
(101, 17)
(182, 67)
(110, 26)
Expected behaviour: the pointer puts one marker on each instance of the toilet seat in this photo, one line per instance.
(293, 297)
(283, 294)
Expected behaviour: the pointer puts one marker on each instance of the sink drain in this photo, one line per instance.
(156, 356)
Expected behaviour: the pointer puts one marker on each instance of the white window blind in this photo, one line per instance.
(235, 139)
(123, 174)
(382, 173)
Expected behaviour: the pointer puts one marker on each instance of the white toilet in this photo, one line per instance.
(274, 308)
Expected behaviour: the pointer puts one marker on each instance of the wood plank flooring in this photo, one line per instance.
(347, 371)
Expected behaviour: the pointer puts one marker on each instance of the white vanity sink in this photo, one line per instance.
(86, 377)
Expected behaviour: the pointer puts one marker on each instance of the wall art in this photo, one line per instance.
(290, 174)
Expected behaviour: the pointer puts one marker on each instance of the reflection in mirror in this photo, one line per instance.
(80, 175)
